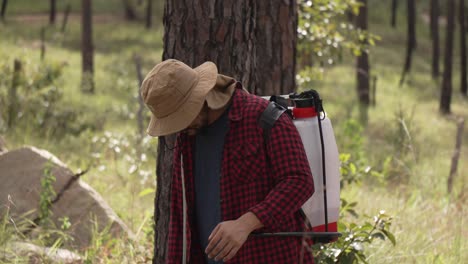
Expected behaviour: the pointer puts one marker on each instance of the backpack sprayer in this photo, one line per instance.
(316, 131)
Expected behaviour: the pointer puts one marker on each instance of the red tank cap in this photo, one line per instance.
(304, 112)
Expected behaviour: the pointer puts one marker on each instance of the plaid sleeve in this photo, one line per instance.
(291, 174)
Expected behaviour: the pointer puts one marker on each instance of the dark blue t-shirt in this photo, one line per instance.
(208, 154)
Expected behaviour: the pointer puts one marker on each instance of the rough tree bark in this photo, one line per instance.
(446, 95)
(411, 40)
(52, 11)
(253, 41)
(463, 62)
(362, 62)
(275, 47)
(394, 12)
(87, 79)
(435, 38)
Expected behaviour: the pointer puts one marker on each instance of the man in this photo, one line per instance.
(233, 182)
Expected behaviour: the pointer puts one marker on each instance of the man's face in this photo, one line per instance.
(200, 121)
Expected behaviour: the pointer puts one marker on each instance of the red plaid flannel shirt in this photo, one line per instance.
(271, 179)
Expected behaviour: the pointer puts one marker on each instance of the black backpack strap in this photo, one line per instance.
(268, 118)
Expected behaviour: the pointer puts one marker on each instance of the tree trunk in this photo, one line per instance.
(163, 196)
(65, 17)
(3, 11)
(52, 12)
(130, 13)
(411, 40)
(274, 65)
(87, 79)
(43, 46)
(13, 93)
(456, 154)
(253, 41)
(435, 38)
(141, 104)
(446, 95)
(463, 66)
(149, 13)
(362, 63)
(394, 12)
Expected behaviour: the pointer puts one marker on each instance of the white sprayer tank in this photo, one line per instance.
(306, 122)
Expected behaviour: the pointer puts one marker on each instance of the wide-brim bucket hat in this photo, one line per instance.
(175, 93)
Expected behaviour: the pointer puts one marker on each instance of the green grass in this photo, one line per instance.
(429, 224)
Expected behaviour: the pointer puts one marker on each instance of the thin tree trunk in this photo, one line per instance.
(141, 104)
(149, 13)
(446, 95)
(253, 41)
(394, 12)
(52, 12)
(4, 7)
(130, 13)
(43, 47)
(362, 63)
(435, 38)
(87, 79)
(65, 17)
(12, 95)
(463, 62)
(374, 91)
(456, 154)
(411, 40)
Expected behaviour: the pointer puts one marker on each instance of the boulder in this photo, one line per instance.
(21, 172)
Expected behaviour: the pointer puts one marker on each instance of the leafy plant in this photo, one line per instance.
(350, 248)
(47, 193)
(325, 29)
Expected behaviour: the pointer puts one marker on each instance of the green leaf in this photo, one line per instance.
(390, 236)
(366, 227)
(353, 213)
(378, 235)
(147, 191)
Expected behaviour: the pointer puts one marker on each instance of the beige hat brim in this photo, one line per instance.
(183, 117)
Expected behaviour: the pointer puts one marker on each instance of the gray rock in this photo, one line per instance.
(20, 174)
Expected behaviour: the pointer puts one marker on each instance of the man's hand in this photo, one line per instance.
(229, 236)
